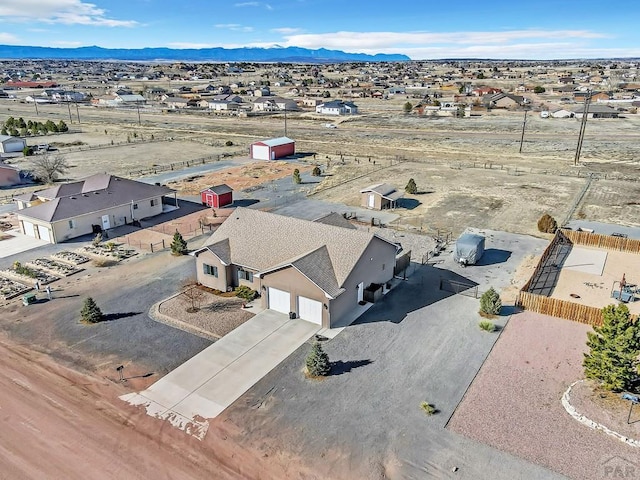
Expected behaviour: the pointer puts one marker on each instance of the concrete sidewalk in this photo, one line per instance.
(205, 385)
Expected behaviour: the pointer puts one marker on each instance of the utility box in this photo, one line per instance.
(469, 249)
(29, 299)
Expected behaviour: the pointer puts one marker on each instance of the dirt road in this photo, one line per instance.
(58, 423)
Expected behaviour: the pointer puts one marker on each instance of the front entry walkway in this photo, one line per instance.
(202, 387)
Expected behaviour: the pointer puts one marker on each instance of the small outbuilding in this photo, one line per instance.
(217, 196)
(380, 196)
(9, 144)
(272, 149)
(468, 249)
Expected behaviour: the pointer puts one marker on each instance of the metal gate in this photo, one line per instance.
(463, 288)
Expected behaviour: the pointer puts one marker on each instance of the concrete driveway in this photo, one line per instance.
(19, 243)
(205, 385)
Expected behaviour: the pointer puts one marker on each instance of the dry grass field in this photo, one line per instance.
(470, 169)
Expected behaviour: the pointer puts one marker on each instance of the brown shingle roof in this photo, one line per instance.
(264, 241)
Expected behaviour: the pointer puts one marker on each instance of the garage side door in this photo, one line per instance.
(279, 300)
(261, 152)
(28, 228)
(310, 310)
(45, 233)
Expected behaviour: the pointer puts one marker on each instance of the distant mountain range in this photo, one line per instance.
(246, 54)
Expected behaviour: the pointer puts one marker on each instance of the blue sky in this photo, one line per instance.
(542, 29)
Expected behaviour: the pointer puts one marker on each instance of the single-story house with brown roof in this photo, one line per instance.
(318, 270)
(92, 205)
(380, 196)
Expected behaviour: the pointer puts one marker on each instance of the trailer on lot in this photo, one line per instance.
(468, 249)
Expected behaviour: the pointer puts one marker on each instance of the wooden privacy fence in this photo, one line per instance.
(559, 308)
(596, 240)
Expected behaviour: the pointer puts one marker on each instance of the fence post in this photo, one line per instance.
(151, 245)
(163, 244)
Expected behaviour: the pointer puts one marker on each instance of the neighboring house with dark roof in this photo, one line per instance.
(596, 111)
(95, 204)
(317, 270)
(380, 196)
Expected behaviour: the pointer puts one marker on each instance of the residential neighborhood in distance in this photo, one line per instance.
(318, 265)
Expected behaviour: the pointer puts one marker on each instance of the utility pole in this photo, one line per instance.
(69, 108)
(583, 124)
(138, 108)
(285, 121)
(524, 124)
(35, 102)
(78, 112)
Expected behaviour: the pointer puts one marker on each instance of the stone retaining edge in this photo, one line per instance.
(154, 314)
(566, 403)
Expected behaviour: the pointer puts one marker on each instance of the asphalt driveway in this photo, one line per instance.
(364, 421)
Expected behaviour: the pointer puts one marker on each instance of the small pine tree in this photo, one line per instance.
(317, 361)
(411, 187)
(178, 245)
(90, 312)
(614, 349)
(407, 107)
(547, 224)
(490, 303)
(297, 179)
(316, 171)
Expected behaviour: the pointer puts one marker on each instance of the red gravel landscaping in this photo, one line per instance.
(514, 402)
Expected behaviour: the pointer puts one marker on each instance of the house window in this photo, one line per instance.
(154, 202)
(135, 206)
(72, 224)
(210, 270)
(245, 275)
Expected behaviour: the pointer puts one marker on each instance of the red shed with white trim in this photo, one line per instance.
(217, 196)
(273, 148)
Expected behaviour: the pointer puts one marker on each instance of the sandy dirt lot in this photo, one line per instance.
(514, 402)
(454, 199)
(595, 289)
(238, 178)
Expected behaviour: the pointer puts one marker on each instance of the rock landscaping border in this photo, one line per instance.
(11, 289)
(41, 277)
(117, 253)
(566, 403)
(70, 257)
(54, 267)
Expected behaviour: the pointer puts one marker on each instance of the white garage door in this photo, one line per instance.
(279, 300)
(44, 233)
(310, 310)
(28, 229)
(261, 152)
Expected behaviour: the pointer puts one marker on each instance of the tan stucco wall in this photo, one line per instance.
(82, 223)
(220, 282)
(368, 270)
(365, 201)
(291, 280)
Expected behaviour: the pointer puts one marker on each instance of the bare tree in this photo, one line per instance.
(48, 167)
(192, 294)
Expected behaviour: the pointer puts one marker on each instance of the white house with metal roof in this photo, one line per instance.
(9, 144)
(320, 271)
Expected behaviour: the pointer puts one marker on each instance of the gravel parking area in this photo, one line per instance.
(217, 315)
(514, 402)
